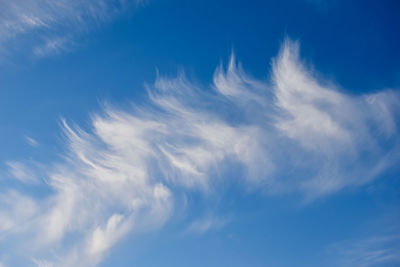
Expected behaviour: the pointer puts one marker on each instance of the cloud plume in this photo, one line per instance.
(289, 134)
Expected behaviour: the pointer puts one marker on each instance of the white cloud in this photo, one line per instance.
(22, 172)
(335, 130)
(288, 135)
(17, 210)
(42, 263)
(54, 24)
(205, 224)
(32, 142)
(53, 45)
(379, 250)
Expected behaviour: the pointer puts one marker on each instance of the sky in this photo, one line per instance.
(199, 133)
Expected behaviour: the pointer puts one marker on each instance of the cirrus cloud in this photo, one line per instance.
(50, 27)
(291, 134)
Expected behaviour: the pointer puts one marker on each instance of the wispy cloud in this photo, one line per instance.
(17, 210)
(290, 134)
(54, 45)
(379, 250)
(42, 263)
(50, 27)
(335, 130)
(32, 142)
(206, 224)
(22, 172)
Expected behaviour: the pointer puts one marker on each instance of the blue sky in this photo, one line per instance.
(199, 133)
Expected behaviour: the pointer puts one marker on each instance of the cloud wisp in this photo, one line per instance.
(292, 134)
(32, 142)
(50, 27)
(379, 250)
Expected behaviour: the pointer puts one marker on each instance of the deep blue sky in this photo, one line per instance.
(353, 45)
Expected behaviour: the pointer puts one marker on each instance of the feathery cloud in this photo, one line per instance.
(289, 134)
(203, 225)
(378, 250)
(21, 172)
(52, 26)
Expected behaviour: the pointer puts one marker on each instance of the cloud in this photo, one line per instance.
(50, 27)
(206, 224)
(32, 142)
(42, 263)
(379, 250)
(54, 45)
(291, 134)
(376, 243)
(17, 210)
(22, 172)
(335, 130)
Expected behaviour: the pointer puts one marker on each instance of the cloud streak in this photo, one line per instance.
(291, 134)
(378, 250)
(206, 224)
(32, 142)
(50, 27)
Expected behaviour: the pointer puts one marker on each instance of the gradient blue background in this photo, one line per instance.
(354, 44)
